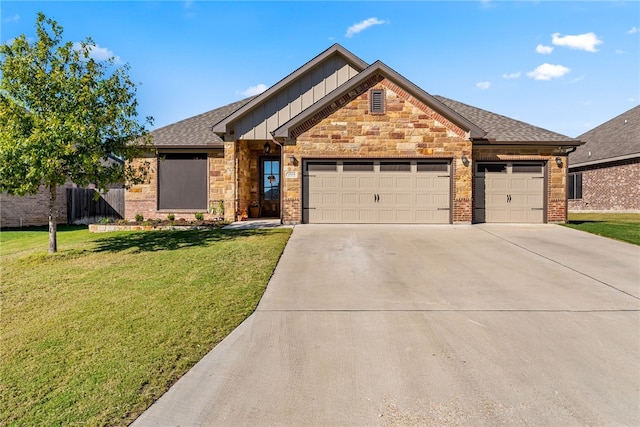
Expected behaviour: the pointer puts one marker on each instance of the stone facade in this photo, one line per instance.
(409, 129)
(613, 186)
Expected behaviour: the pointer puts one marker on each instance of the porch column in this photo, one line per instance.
(230, 180)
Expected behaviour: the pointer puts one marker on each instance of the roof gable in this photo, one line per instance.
(502, 129)
(615, 139)
(353, 88)
(292, 94)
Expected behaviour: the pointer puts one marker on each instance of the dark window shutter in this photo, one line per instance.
(377, 101)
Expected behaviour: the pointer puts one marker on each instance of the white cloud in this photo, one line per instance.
(98, 53)
(253, 90)
(587, 41)
(361, 26)
(483, 85)
(548, 72)
(486, 4)
(512, 76)
(633, 30)
(14, 18)
(619, 52)
(544, 49)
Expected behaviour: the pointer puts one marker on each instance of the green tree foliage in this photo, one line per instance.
(63, 114)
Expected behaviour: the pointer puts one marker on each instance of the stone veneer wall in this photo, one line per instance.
(408, 129)
(32, 210)
(556, 185)
(143, 198)
(614, 186)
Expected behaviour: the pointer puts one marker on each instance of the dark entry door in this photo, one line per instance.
(270, 191)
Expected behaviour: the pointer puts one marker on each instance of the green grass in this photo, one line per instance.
(620, 226)
(93, 334)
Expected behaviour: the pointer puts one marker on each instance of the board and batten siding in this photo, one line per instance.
(294, 98)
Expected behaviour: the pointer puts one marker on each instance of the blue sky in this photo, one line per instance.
(564, 66)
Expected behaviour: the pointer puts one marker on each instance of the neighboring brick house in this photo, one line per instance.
(342, 141)
(604, 173)
(32, 210)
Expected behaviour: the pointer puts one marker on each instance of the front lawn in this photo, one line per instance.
(94, 334)
(620, 226)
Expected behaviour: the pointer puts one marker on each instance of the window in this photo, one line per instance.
(433, 167)
(395, 167)
(574, 190)
(377, 101)
(492, 167)
(526, 168)
(357, 166)
(182, 181)
(322, 167)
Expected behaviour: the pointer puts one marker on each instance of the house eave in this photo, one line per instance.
(379, 68)
(603, 161)
(493, 142)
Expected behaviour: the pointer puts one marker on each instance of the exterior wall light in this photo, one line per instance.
(292, 159)
(465, 160)
(559, 161)
(267, 148)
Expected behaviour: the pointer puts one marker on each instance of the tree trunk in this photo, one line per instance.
(53, 219)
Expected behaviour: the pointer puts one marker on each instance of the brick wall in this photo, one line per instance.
(409, 129)
(614, 186)
(32, 210)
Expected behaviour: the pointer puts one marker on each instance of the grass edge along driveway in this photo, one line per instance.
(94, 334)
(619, 226)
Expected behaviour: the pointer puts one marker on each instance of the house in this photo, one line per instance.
(342, 141)
(74, 205)
(604, 173)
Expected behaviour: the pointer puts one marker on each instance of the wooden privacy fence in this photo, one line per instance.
(84, 208)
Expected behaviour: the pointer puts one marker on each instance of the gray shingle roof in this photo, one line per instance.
(195, 131)
(617, 138)
(504, 129)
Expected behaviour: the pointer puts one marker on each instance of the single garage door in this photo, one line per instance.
(377, 191)
(509, 192)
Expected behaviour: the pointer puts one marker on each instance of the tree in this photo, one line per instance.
(62, 114)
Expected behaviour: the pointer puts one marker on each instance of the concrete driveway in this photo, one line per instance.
(429, 325)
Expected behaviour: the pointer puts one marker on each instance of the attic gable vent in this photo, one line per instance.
(376, 97)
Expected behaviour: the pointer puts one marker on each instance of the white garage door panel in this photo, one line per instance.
(390, 192)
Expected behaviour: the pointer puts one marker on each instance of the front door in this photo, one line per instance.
(270, 187)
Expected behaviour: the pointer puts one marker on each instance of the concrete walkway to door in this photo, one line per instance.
(429, 325)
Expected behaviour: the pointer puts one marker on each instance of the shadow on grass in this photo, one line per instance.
(169, 240)
(580, 222)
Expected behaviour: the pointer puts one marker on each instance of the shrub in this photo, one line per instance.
(171, 217)
(199, 216)
(139, 217)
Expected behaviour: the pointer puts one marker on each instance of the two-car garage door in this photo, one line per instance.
(377, 191)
